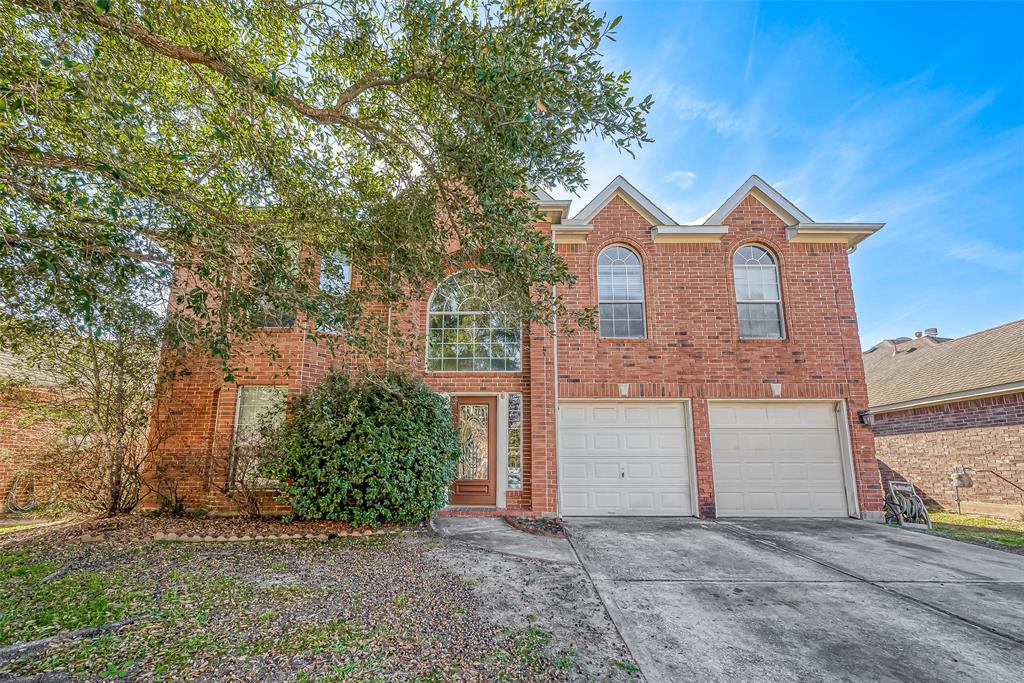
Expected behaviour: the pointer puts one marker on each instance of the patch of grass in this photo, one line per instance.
(529, 645)
(979, 529)
(566, 659)
(31, 608)
(334, 636)
(628, 667)
(16, 528)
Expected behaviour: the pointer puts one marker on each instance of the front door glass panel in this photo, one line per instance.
(474, 438)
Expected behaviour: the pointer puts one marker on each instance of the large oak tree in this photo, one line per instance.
(222, 138)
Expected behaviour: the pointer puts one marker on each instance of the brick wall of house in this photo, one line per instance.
(23, 437)
(693, 347)
(922, 446)
(692, 350)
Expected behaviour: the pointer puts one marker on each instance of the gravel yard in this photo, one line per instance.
(408, 607)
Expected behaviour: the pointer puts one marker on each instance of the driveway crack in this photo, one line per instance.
(881, 585)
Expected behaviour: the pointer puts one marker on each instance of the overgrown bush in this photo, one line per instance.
(379, 450)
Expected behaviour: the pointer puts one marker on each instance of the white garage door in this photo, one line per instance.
(777, 460)
(623, 458)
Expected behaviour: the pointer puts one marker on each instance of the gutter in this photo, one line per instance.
(954, 397)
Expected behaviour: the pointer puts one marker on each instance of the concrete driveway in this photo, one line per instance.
(805, 600)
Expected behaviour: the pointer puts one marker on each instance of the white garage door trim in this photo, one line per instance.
(686, 451)
(841, 424)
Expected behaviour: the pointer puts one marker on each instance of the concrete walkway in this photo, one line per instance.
(492, 533)
(805, 600)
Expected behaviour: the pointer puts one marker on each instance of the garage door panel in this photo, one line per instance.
(637, 442)
(620, 458)
(779, 460)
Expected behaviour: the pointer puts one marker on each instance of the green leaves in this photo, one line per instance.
(207, 136)
(382, 450)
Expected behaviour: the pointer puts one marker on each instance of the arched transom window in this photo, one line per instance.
(620, 293)
(467, 329)
(758, 297)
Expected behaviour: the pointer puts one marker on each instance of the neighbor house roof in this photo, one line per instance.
(902, 373)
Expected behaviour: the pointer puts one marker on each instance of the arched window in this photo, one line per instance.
(758, 297)
(620, 293)
(467, 330)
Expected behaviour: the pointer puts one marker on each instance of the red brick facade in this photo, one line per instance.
(24, 437)
(692, 350)
(923, 445)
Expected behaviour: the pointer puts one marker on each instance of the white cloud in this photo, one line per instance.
(988, 254)
(718, 115)
(684, 179)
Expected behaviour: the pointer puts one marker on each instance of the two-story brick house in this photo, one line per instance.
(724, 377)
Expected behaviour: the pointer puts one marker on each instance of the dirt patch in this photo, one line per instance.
(380, 608)
(555, 602)
(539, 526)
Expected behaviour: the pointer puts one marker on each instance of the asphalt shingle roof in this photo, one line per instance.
(914, 369)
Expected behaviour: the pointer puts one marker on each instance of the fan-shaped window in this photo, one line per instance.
(620, 293)
(758, 297)
(467, 329)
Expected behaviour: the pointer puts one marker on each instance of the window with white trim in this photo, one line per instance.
(467, 329)
(620, 293)
(259, 407)
(758, 295)
(335, 274)
(335, 281)
(515, 442)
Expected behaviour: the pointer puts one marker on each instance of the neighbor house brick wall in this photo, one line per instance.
(922, 445)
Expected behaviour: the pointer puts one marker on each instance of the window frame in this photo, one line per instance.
(773, 255)
(643, 293)
(342, 283)
(429, 327)
(235, 446)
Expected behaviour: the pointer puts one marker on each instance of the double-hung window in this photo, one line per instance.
(758, 295)
(620, 293)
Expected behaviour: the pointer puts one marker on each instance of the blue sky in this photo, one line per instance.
(909, 114)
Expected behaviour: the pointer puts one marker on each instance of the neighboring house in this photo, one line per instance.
(23, 434)
(937, 404)
(724, 377)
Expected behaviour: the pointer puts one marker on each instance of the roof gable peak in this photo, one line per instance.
(620, 187)
(755, 186)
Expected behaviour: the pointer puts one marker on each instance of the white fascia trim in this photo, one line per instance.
(634, 196)
(689, 233)
(954, 397)
(850, 234)
(569, 232)
(756, 183)
(555, 210)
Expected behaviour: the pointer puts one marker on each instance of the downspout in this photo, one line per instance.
(554, 329)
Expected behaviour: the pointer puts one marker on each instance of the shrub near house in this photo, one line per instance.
(380, 450)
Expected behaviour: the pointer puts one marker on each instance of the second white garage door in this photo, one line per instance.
(623, 458)
(777, 460)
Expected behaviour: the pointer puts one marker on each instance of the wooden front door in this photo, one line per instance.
(475, 475)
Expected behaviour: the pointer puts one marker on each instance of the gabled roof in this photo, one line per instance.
(664, 228)
(786, 210)
(623, 188)
(907, 372)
